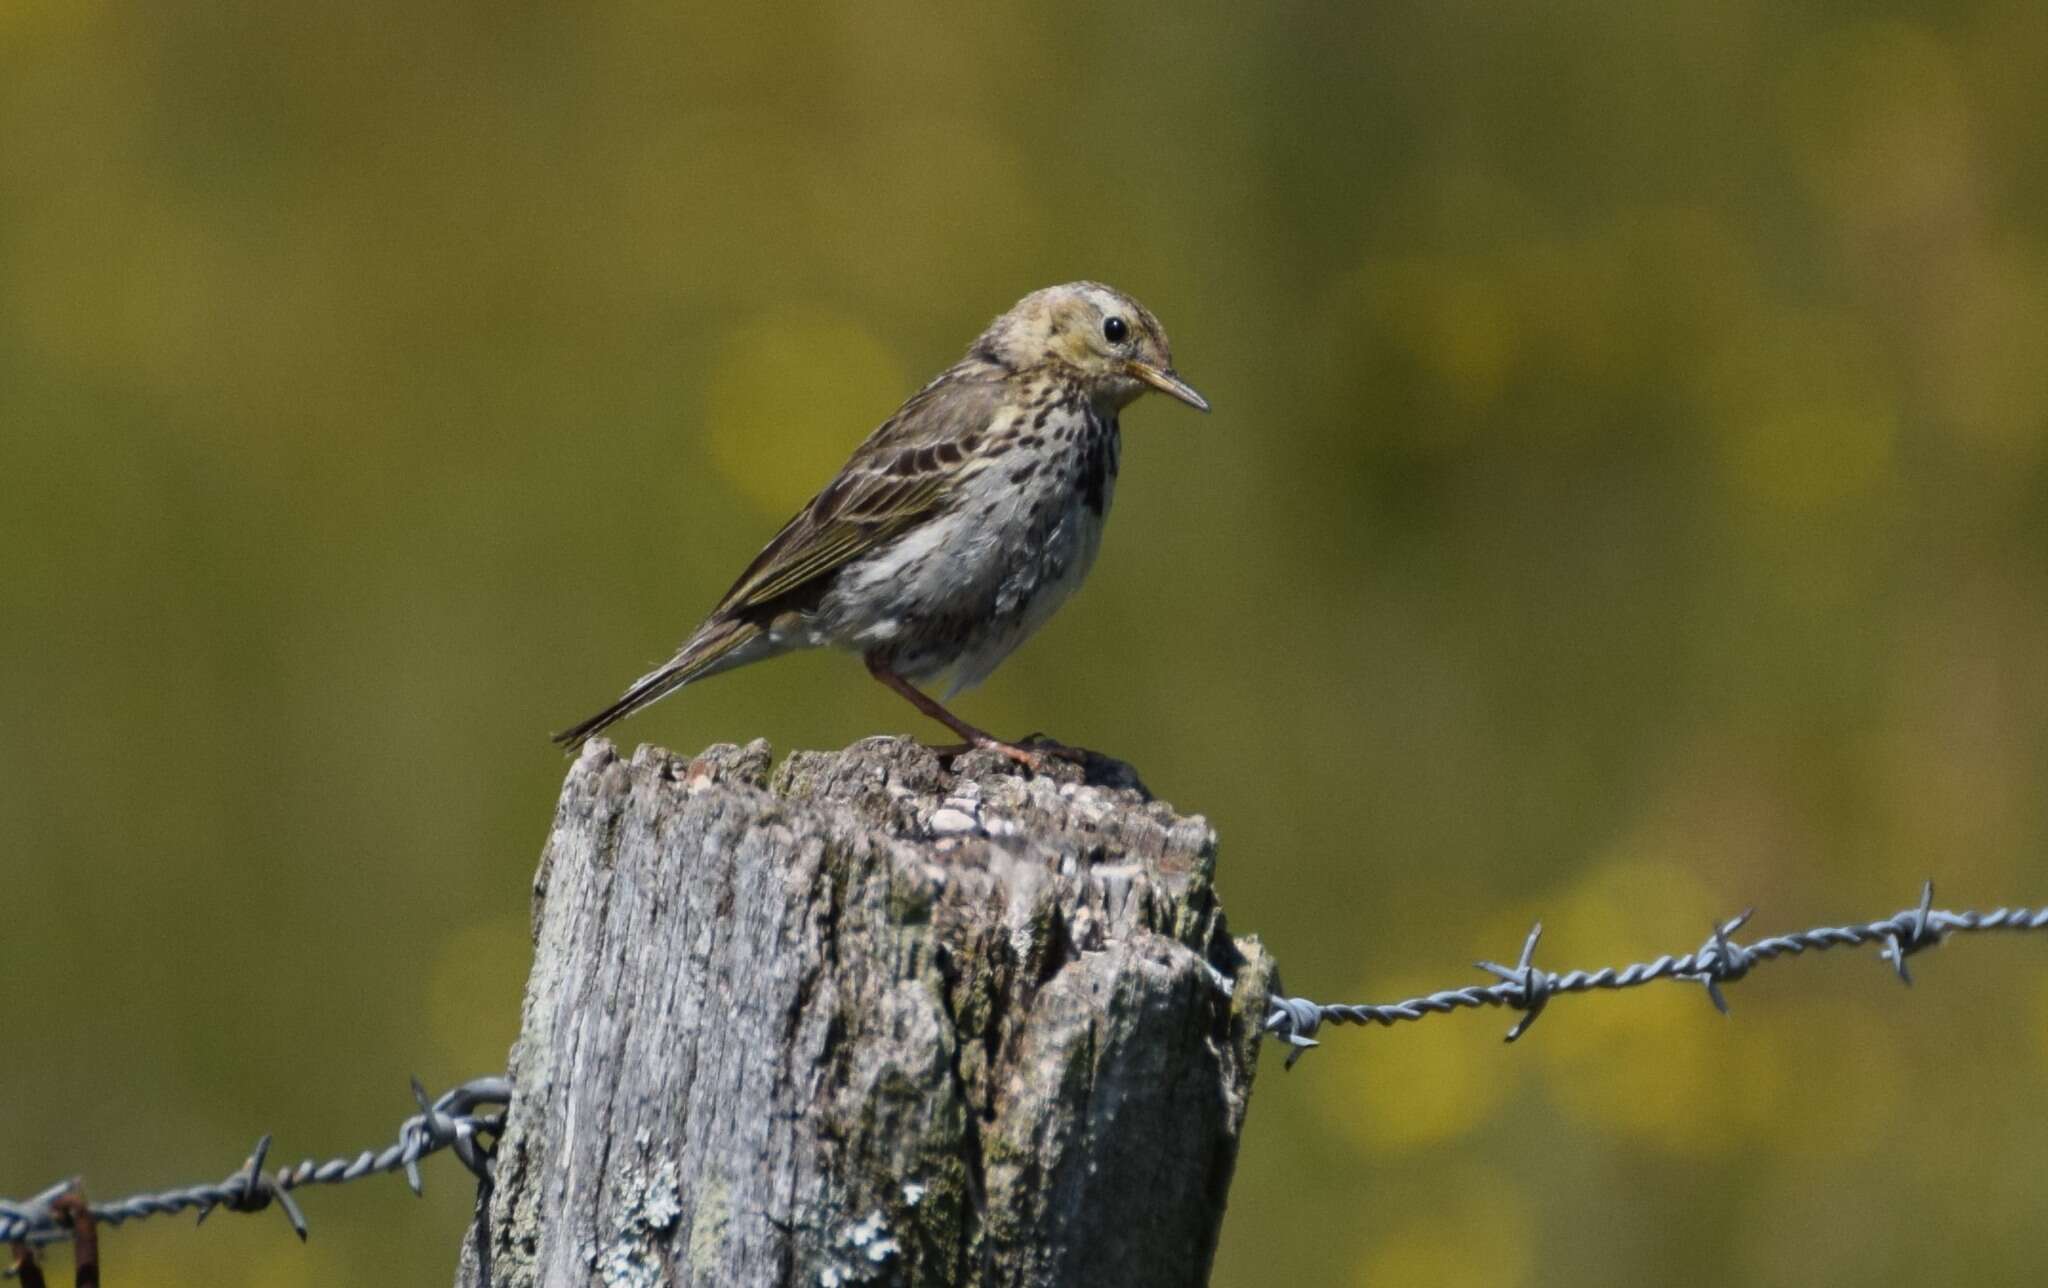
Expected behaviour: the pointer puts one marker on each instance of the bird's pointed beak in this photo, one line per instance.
(1166, 382)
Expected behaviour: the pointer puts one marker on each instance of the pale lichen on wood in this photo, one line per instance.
(865, 1017)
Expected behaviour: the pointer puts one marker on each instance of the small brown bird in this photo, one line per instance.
(959, 525)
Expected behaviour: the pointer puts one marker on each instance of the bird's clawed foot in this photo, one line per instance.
(1045, 746)
(1035, 753)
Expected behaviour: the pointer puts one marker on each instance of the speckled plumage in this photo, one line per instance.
(962, 522)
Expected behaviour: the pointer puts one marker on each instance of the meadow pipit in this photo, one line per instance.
(960, 524)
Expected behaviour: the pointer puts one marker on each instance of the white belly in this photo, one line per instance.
(962, 591)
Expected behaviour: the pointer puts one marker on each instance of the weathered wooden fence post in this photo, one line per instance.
(865, 1019)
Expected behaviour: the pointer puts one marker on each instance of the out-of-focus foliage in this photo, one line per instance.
(1627, 501)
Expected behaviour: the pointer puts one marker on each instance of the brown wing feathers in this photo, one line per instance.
(900, 475)
(712, 642)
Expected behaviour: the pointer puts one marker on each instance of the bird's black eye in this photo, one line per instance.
(1115, 330)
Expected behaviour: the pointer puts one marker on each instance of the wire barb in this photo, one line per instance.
(1911, 937)
(1532, 985)
(465, 1120)
(1722, 960)
(1718, 962)
(1295, 1021)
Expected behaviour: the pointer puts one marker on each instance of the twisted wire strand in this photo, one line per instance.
(468, 1119)
(454, 1121)
(1527, 988)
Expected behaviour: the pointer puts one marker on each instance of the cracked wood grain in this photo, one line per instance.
(865, 1018)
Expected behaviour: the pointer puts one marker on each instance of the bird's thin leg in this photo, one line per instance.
(929, 706)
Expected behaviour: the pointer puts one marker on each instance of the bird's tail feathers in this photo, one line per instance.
(709, 650)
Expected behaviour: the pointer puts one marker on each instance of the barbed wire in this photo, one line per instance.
(1528, 988)
(466, 1120)
(469, 1118)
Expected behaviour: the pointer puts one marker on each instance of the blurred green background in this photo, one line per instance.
(1626, 502)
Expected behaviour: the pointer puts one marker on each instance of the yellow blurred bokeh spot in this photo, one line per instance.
(789, 398)
(1456, 321)
(2040, 1020)
(26, 19)
(1493, 1247)
(1655, 1066)
(1430, 1081)
(477, 971)
(1881, 127)
(1979, 349)
(1838, 1095)
(292, 1264)
(1806, 414)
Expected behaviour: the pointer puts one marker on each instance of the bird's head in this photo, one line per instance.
(1103, 339)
